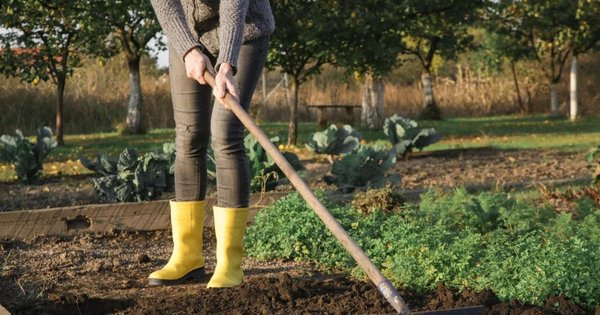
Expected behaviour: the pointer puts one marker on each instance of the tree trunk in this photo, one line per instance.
(573, 89)
(134, 106)
(524, 110)
(293, 103)
(430, 108)
(60, 96)
(372, 103)
(554, 98)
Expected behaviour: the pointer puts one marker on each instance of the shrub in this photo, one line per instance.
(27, 157)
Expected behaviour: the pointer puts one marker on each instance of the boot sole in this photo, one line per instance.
(196, 274)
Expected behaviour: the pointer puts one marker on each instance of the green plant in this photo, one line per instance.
(364, 168)
(27, 157)
(265, 174)
(133, 177)
(591, 156)
(405, 135)
(334, 140)
(486, 241)
(290, 229)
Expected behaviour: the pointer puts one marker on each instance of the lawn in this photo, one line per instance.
(501, 132)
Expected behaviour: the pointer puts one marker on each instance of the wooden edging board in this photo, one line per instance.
(138, 216)
(155, 215)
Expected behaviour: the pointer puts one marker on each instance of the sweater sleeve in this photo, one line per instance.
(172, 19)
(232, 17)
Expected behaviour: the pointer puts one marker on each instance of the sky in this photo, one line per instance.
(162, 56)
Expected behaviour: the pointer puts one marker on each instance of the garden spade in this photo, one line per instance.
(384, 286)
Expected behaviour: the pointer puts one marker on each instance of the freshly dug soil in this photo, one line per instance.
(103, 274)
(447, 168)
(488, 167)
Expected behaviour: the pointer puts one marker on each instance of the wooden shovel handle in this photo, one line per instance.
(383, 284)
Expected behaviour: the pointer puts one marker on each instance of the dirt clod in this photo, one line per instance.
(142, 258)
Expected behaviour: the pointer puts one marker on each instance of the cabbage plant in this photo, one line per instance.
(405, 134)
(27, 157)
(334, 140)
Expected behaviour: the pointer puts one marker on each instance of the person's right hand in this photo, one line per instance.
(195, 64)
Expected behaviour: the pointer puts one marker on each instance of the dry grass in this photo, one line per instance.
(460, 92)
(96, 95)
(95, 99)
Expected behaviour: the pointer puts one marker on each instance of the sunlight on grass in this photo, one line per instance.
(568, 142)
(500, 132)
(90, 145)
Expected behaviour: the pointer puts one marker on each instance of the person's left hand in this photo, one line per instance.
(224, 82)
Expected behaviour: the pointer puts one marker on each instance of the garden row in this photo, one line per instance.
(518, 249)
(137, 177)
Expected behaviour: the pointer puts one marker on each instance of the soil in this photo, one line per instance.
(489, 167)
(448, 168)
(106, 273)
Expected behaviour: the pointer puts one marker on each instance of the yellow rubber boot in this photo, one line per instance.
(187, 261)
(230, 227)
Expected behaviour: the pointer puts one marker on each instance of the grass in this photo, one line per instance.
(501, 132)
(112, 143)
(517, 132)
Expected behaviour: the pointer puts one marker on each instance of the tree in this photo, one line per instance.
(369, 46)
(300, 46)
(132, 24)
(44, 41)
(545, 25)
(583, 35)
(440, 28)
(499, 46)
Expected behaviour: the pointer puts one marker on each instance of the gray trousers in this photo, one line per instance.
(196, 121)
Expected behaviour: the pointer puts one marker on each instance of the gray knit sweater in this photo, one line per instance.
(221, 26)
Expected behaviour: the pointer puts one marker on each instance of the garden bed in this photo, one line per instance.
(106, 273)
(483, 167)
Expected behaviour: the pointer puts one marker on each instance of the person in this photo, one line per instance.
(233, 36)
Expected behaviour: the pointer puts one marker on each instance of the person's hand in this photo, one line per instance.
(224, 82)
(195, 64)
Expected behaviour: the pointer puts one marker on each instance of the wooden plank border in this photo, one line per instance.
(138, 216)
(155, 215)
